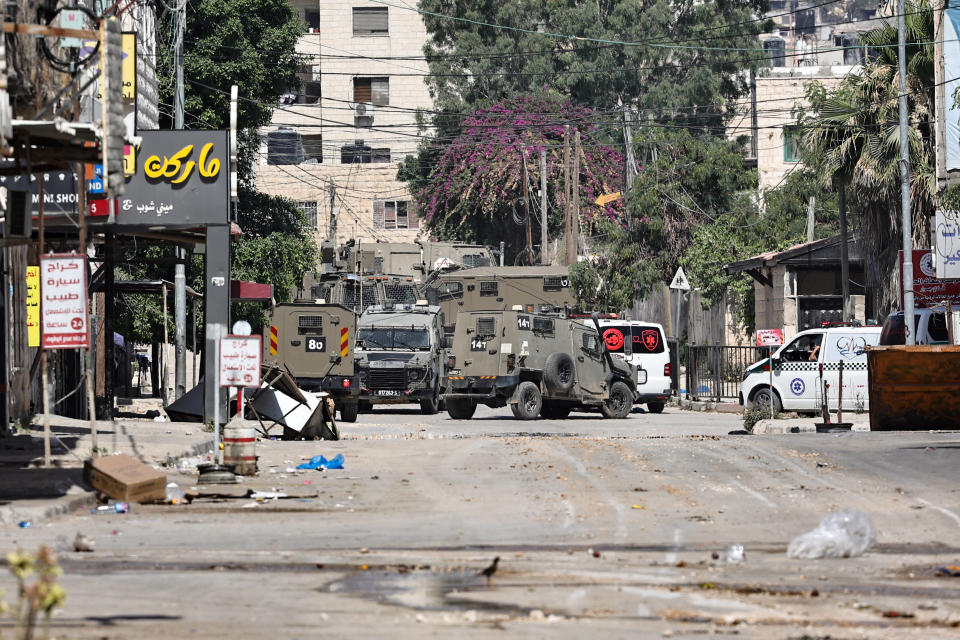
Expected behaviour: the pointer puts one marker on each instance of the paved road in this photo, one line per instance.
(603, 527)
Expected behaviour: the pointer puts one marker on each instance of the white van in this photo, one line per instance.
(643, 345)
(796, 371)
(929, 324)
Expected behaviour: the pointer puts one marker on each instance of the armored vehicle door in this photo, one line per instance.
(591, 366)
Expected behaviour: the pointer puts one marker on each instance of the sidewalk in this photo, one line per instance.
(861, 422)
(31, 493)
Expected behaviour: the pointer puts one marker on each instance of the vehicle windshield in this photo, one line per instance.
(893, 332)
(393, 338)
(804, 348)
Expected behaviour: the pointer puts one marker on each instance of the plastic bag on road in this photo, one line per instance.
(845, 534)
(319, 462)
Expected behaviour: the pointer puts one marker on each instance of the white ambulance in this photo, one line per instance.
(797, 371)
(643, 345)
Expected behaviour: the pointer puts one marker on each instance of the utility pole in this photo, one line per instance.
(526, 206)
(575, 197)
(179, 269)
(544, 218)
(844, 253)
(907, 274)
(630, 161)
(754, 126)
(811, 205)
(567, 232)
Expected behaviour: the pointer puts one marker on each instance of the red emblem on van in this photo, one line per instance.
(651, 338)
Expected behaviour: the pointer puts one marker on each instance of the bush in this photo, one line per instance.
(754, 415)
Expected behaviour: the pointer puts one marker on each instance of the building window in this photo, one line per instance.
(312, 147)
(357, 153)
(370, 21)
(791, 145)
(488, 288)
(312, 19)
(309, 211)
(394, 214)
(374, 91)
(380, 155)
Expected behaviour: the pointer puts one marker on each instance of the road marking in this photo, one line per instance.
(753, 492)
(946, 512)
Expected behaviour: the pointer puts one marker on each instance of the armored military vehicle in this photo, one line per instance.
(411, 259)
(400, 355)
(539, 364)
(361, 292)
(498, 289)
(314, 342)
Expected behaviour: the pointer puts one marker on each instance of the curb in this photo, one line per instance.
(782, 427)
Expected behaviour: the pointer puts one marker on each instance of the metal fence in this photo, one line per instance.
(714, 372)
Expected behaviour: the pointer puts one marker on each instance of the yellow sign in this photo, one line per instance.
(607, 197)
(129, 159)
(33, 306)
(128, 64)
(175, 164)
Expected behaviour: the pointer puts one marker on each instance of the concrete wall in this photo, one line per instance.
(333, 62)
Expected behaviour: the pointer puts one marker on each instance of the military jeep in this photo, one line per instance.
(314, 343)
(539, 364)
(400, 355)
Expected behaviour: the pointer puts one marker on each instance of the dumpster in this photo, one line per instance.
(914, 388)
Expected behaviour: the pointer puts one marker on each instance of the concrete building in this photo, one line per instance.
(352, 122)
(816, 44)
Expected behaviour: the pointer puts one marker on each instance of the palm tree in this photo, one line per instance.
(851, 138)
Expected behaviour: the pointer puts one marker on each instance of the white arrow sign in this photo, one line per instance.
(680, 281)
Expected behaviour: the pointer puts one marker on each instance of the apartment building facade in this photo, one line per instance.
(336, 143)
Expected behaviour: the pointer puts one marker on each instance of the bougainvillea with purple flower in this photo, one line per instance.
(475, 189)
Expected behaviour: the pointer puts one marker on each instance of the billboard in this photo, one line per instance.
(63, 291)
(179, 179)
(928, 289)
(951, 83)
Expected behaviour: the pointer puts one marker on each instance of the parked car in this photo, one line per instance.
(643, 345)
(929, 323)
(797, 371)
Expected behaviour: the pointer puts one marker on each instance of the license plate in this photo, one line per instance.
(387, 392)
(454, 372)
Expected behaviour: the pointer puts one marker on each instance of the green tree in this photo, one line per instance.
(851, 134)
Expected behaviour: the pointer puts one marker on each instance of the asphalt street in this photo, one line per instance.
(615, 528)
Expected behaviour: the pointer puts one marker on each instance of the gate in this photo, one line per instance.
(714, 372)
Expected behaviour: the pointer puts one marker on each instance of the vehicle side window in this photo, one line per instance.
(937, 328)
(591, 343)
(805, 348)
(450, 290)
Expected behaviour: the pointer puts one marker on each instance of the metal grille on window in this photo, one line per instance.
(390, 215)
(370, 21)
(378, 214)
(370, 296)
(310, 324)
(486, 326)
(400, 293)
(488, 288)
(552, 283)
(351, 295)
(543, 324)
(451, 290)
(309, 210)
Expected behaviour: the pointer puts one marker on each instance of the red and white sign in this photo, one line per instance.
(64, 321)
(928, 289)
(769, 337)
(240, 361)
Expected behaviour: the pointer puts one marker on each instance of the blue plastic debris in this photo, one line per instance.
(319, 462)
(23, 524)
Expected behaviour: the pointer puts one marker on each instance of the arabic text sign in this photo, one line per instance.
(33, 306)
(769, 337)
(928, 289)
(178, 179)
(946, 256)
(240, 361)
(63, 290)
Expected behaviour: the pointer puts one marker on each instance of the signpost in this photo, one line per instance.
(239, 366)
(680, 284)
(769, 337)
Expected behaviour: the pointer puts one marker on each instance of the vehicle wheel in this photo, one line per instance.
(558, 372)
(655, 407)
(461, 408)
(348, 412)
(761, 400)
(529, 401)
(515, 411)
(430, 406)
(620, 402)
(555, 411)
